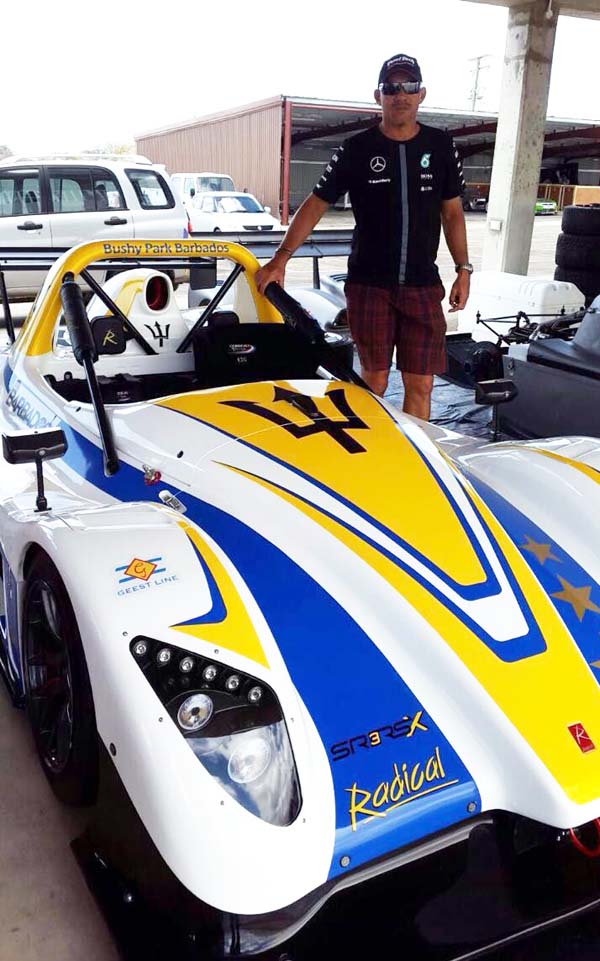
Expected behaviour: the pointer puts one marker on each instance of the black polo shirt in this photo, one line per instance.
(396, 189)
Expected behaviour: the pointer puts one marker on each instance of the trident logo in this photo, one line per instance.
(158, 333)
(321, 424)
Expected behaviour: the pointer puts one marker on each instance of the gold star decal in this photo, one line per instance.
(543, 552)
(578, 597)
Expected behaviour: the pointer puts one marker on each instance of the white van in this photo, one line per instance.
(60, 201)
(190, 184)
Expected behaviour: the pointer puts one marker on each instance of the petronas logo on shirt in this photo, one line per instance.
(425, 160)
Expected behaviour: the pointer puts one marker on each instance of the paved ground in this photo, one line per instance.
(45, 909)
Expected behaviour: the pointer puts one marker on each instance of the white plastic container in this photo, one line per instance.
(497, 294)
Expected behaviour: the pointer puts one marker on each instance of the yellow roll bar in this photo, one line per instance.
(37, 332)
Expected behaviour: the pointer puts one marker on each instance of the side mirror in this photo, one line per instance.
(24, 447)
(267, 210)
(493, 393)
(192, 191)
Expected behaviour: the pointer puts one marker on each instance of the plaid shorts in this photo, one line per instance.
(410, 319)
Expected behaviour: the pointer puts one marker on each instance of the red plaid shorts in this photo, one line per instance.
(410, 319)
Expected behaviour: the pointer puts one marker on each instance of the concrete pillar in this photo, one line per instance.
(520, 136)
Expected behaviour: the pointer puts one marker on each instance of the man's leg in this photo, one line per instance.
(375, 379)
(417, 394)
(420, 344)
(372, 324)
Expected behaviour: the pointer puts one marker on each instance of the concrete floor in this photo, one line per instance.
(45, 908)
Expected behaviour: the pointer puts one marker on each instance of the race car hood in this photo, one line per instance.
(404, 597)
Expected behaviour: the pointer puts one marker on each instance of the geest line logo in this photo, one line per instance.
(405, 727)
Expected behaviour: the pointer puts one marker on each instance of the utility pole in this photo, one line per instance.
(475, 95)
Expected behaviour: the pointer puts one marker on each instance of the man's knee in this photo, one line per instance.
(417, 394)
(375, 379)
(420, 385)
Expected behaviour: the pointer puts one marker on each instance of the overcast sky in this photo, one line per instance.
(76, 79)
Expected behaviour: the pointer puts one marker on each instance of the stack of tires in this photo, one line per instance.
(578, 249)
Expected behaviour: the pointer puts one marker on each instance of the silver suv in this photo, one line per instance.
(57, 202)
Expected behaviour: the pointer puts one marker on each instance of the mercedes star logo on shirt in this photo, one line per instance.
(378, 164)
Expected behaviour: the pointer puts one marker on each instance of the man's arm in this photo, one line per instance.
(455, 232)
(304, 221)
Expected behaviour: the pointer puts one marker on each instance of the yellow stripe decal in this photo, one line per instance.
(235, 630)
(575, 464)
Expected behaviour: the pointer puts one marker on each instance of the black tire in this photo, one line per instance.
(57, 685)
(588, 281)
(580, 253)
(581, 220)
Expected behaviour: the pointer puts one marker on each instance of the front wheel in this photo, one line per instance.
(59, 697)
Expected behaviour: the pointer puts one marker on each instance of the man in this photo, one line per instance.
(404, 180)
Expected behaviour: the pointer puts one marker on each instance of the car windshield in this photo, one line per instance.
(238, 204)
(214, 183)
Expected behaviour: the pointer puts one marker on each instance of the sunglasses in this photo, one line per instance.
(405, 86)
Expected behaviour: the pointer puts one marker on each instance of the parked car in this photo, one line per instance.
(475, 203)
(544, 206)
(226, 210)
(328, 674)
(58, 202)
(190, 184)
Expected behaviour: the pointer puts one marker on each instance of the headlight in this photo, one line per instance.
(195, 712)
(233, 723)
(249, 759)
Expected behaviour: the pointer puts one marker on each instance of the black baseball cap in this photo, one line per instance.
(400, 62)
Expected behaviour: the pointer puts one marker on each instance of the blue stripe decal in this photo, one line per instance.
(218, 610)
(8, 372)
(393, 788)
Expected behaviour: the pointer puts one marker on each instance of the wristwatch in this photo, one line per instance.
(467, 267)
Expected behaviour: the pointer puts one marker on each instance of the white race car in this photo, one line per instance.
(329, 676)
